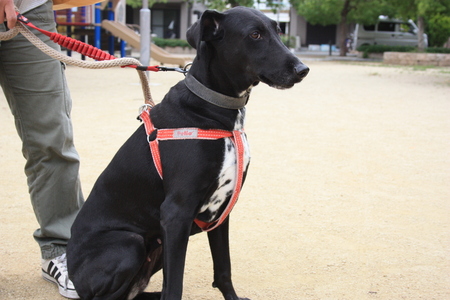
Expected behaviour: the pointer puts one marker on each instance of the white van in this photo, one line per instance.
(387, 31)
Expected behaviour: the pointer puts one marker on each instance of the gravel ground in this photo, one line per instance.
(347, 197)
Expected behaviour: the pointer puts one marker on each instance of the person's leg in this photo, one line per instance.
(35, 87)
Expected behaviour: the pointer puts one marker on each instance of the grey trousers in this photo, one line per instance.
(36, 90)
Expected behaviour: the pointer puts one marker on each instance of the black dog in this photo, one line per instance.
(134, 223)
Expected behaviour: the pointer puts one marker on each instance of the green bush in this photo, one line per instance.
(366, 49)
(437, 50)
(385, 48)
(438, 30)
(170, 43)
(288, 41)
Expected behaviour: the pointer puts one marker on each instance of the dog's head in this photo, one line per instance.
(248, 44)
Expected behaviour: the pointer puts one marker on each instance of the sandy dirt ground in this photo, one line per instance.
(347, 197)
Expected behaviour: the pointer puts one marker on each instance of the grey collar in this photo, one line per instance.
(213, 97)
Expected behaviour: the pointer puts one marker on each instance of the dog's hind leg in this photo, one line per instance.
(108, 268)
(151, 266)
(220, 250)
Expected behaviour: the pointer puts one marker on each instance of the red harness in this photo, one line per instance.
(197, 133)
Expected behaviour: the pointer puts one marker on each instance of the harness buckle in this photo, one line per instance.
(152, 136)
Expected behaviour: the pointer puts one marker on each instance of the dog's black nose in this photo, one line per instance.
(301, 70)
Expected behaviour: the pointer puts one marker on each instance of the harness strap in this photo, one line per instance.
(239, 145)
(154, 144)
(197, 133)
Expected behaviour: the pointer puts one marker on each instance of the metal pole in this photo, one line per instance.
(69, 28)
(145, 33)
(98, 21)
(111, 40)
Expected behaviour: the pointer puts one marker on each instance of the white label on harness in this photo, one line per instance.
(185, 133)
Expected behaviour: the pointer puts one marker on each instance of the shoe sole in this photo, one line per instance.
(68, 293)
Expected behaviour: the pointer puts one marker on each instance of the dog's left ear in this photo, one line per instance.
(206, 29)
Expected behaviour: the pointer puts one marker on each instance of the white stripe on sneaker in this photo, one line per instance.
(55, 270)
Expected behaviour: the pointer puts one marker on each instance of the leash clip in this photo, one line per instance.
(22, 19)
(165, 69)
(145, 107)
(180, 70)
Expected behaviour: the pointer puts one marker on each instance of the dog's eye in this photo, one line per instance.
(255, 35)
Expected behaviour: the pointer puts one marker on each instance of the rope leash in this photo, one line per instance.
(104, 60)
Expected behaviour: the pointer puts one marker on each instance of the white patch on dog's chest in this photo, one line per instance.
(227, 175)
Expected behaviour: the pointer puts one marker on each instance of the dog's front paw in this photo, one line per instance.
(236, 298)
(148, 296)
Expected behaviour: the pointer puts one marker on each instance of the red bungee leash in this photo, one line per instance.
(88, 50)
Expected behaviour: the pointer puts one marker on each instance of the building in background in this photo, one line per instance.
(172, 19)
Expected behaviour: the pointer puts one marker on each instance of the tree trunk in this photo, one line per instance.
(421, 25)
(343, 31)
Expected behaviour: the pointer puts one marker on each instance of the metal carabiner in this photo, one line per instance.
(145, 107)
(180, 70)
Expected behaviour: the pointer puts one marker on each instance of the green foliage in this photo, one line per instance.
(385, 48)
(222, 5)
(423, 11)
(367, 12)
(211, 4)
(411, 9)
(329, 12)
(288, 41)
(438, 30)
(340, 12)
(435, 13)
(366, 49)
(138, 3)
(437, 50)
(323, 12)
(160, 42)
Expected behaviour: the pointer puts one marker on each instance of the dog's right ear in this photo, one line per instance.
(206, 29)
